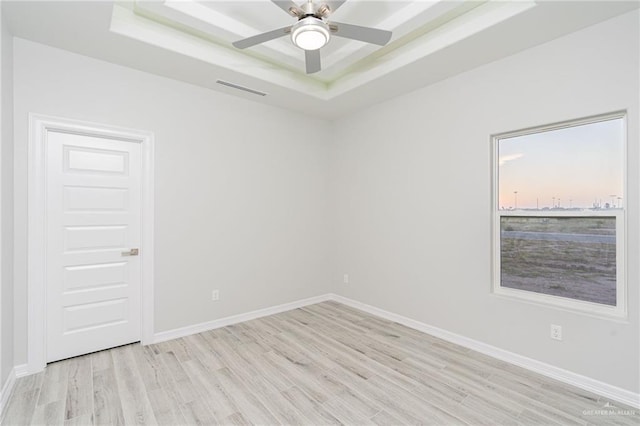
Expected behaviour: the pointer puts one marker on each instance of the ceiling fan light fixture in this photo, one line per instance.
(310, 33)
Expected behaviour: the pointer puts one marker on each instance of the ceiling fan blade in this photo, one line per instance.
(312, 61)
(261, 38)
(288, 6)
(356, 32)
(333, 5)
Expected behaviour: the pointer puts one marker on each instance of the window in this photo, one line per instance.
(559, 221)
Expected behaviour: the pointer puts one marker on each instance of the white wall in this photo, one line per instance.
(241, 187)
(6, 201)
(413, 185)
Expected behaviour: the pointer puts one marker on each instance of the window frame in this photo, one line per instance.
(619, 311)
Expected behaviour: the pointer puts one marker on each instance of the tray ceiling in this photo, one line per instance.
(200, 28)
(190, 40)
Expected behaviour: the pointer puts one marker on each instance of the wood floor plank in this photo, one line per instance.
(203, 353)
(136, 407)
(21, 407)
(343, 412)
(178, 380)
(100, 360)
(79, 400)
(555, 411)
(493, 410)
(328, 348)
(302, 375)
(106, 398)
(49, 414)
(84, 420)
(250, 407)
(277, 404)
(197, 412)
(182, 349)
(532, 417)
(311, 409)
(29, 383)
(54, 382)
(358, 402)
(165, 409)
(383, 418)
(237, 419)
(355, 359)
(321, 364)
(411, 403)
(266, 389)
(221, 402)
(150, 367)
(269, 373)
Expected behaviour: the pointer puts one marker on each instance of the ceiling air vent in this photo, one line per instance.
(238, 87)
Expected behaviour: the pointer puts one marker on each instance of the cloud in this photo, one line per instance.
(504, 158)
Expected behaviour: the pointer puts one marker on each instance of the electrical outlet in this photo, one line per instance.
(215, 295)
(345, 278)
(556, 332)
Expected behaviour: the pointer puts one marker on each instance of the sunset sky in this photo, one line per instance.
(581, 164)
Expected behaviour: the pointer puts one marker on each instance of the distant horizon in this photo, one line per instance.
(574, 208)
(575, 167)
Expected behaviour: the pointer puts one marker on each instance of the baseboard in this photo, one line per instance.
(583, 382)
(234, 319)
(22, 370)
(7, 389)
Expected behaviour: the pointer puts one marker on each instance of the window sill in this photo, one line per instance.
(595, 310)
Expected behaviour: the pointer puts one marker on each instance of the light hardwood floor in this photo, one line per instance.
(322, 364)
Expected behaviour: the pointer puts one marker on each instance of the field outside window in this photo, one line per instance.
(559, 214)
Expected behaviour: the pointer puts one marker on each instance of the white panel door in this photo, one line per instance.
(93, 282)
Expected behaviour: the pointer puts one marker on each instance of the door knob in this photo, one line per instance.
(132, 252)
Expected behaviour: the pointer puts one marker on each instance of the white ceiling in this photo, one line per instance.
(190, 40)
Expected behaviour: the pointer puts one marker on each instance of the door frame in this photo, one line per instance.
(39, 126)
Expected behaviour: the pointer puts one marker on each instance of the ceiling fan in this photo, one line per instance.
(312, 31)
